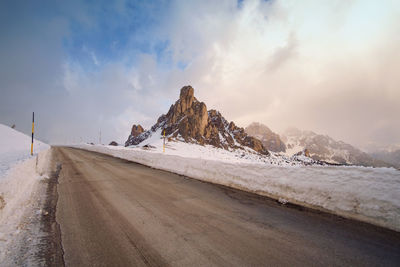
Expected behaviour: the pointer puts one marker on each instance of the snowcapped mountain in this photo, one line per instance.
(325, 148)
(390, 156)
(192, 131)
(269, 139)
(188, 125)
(189, 121)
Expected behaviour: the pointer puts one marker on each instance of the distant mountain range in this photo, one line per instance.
(189, 121)
(323, 147)
(320, 147)
(391, 157)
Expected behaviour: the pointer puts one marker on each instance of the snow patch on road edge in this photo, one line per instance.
(23, 190)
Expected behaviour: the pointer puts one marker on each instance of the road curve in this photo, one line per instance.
(117, 213)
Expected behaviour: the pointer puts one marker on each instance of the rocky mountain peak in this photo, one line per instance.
(270, 140)
(136, 130)
(189, 114)
(188, 120)
(186, 98)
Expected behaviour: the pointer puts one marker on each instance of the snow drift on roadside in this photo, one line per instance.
(15, 147)
(21, 194)
(367, 194)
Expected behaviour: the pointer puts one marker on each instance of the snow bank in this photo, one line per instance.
(15, 147)
(367, 194)
(21, 193)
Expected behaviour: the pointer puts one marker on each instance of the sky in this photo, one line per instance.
(89, 66)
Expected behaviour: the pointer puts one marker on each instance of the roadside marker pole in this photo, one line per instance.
(163, 150)
(33, 127)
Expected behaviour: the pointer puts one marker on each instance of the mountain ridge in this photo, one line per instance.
(324, 147)
(319, 147)
(391, 157)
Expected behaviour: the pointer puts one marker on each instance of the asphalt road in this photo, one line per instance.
(113, 212)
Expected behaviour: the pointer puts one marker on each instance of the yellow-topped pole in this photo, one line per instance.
(33, 128)
(164, 143)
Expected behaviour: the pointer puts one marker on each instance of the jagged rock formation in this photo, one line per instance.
(269, 139)
(135, 132)
(324, 148)
(188, 120)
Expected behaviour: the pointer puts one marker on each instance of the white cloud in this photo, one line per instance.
(325, 66)
(329, 67)
(94, 58)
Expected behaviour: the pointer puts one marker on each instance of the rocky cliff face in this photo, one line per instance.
(269, 139)
(188, 120)
(135, 132)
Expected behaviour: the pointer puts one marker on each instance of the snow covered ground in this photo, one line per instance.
(15, 147)
(208, 152)
(367, 194)
(21, 195)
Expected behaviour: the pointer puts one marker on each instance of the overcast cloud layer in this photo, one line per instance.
(327, 66)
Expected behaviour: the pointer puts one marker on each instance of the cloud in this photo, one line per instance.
(326, 67)
(91, 54)
(330, 66)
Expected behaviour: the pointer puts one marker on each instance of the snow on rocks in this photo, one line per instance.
(367, 194)
(188, 119)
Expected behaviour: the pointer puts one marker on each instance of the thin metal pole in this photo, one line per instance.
(164, 142)
(33, 128)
